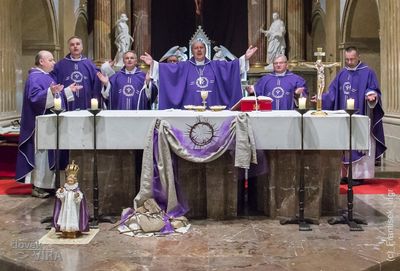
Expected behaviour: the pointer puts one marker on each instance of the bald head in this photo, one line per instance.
(45, 60)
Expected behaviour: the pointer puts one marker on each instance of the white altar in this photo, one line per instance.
(212, 188)
(273, 130)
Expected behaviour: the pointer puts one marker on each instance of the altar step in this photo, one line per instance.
(387, 169)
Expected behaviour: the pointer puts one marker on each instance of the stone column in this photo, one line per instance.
(256, 19)
(118, 7)
(10, 54)
(295, 30)
(390, 77)
(141, 27)
(102, 30)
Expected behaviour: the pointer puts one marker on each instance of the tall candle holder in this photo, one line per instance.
(96, 217)
(304, 223)
(348, 218)
(57, 161)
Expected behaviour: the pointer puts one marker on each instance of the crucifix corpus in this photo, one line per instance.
(320, 67)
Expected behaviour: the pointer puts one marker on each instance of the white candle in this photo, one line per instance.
(350, 104)
(302, 102)
(94, 104)
(57, 103)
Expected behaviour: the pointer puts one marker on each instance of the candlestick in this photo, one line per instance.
(57, 103)
(94, 104)
(302, 102)
(350, 104)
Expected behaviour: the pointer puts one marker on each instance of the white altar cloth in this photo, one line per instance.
(273, 130)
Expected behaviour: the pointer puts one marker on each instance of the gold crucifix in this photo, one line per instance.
(320, 67)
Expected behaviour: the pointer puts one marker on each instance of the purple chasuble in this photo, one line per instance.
(180, 84)
(281, 88)
(125, 91)
(83, 72)
(34, 104)
(356, 84)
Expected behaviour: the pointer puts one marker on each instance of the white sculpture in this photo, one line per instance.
(123, 40)
(222, 53)
(178, 52)
(276, 39)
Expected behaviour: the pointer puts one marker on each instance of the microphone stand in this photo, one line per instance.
(348, 218)
(304, 223)
(57, 160)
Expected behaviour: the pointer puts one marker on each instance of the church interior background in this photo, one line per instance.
(158, 25)
(27, 26)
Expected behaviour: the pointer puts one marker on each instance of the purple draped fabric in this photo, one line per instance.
(356, 84)
(83, 214)
(281, 88)
(159, 193)
(83, 72)
(125, 91)
(180, 84)
(34, 104)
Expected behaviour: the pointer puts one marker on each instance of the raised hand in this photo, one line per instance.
(250, 52)
(56, 88)
(299, 90)
(146, 58)
(75, 87)
(103, 78)
(371, 97)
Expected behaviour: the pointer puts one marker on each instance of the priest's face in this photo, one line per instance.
(280, 65)
(130, 60)
(75, 47)
(351, 58)
(199, 51)
(172, 59)
(47, 61)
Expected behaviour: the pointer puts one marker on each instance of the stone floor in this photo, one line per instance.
(248, 243)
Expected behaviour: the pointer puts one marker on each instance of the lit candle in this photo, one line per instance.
(302, 102)
(57, 103)
(94, 104)
(350, 104)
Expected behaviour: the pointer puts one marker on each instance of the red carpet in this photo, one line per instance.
(375, 186)
(8, 159)
(12, 187)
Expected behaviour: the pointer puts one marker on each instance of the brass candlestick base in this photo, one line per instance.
(71, 234)
(319, 111)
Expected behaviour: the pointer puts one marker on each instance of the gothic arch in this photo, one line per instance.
(318, 35)
(361, 26)
(38, 31)
(81, 29)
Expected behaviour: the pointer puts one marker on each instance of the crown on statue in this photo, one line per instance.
(72, 169)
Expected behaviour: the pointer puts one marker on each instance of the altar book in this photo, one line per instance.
(253, 103)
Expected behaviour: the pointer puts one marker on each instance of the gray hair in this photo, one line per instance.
(280, 56)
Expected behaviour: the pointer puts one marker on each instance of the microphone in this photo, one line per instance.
(140, 95)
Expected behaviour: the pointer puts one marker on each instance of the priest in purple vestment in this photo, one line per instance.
(40, 89)
(130, 88)
(359, 82)
(75, 67)
(281, 85)
(181, 84)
